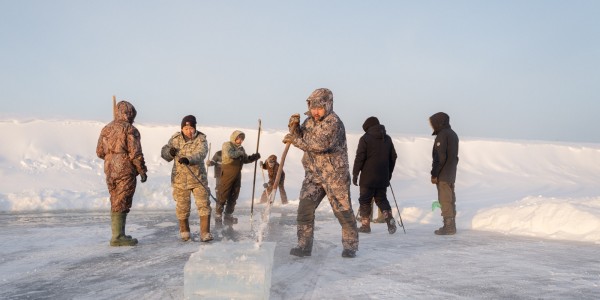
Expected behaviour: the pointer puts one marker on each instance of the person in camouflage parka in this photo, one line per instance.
(190, 148)
(322, 137)
(120, 147)
(272, 166)
(233, 158)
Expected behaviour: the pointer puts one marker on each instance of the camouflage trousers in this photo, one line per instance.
(311, 196)
(121, 192)
(447, 199)
(183, 202)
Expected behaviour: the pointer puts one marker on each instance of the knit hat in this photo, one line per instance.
(369, 122)
(188, 121)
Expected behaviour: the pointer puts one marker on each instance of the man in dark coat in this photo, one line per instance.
(375, 161)
(443, 169)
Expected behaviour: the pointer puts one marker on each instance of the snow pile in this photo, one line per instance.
(531, 188)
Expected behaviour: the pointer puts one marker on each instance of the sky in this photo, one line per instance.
(501, 69)
(528, 221)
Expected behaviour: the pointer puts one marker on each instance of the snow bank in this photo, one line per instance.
(530, 188)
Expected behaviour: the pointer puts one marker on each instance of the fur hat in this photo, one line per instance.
(369, 122)
(188, 121)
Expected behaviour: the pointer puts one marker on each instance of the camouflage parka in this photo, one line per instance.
(232, 153)
(119, 145)
(324, 144)
(195, 150)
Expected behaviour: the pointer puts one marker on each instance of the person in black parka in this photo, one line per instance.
(443, 169)
(375, 161)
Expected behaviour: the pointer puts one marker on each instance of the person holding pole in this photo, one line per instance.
(188, 149)
(233, 159)
(271, 165)
(322, 137)
(374, 161)
(216, 162)
(119, 145)
(443, 169)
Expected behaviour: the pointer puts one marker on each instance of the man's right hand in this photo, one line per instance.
(294, 122)
(173, 151)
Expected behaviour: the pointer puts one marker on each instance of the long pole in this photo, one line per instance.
(399, 216)
(114, 107)
(255, 165)
(200, 181)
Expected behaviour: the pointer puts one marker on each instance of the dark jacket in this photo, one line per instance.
(375, 158)
(445, 148)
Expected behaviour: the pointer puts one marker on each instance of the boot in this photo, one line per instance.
(389, 219)
(229, 219)
(305, 241)
(205, 234)
(365, 225)
(123, 227)
(184, 229)
(118, 231)
(218, 220)
(449, 227)
(349, 253)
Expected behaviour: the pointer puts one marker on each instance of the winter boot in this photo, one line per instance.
(205, 235)
(349, 253)
(449, 227)
(389, 219)
(365, 225)
(118, 229)
(229, 219)
(123, 227)
(184, 229)
(305, 241)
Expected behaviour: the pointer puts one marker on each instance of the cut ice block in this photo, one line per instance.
(235, 270)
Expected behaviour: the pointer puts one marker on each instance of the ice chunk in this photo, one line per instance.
(229, 270)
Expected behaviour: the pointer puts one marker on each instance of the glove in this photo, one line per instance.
(434, 180)
(173, 151)
(143, 177)
(355, 180)
(294, 122)
(289, 138)
(254, 157)
(265, 185)
(184, 161)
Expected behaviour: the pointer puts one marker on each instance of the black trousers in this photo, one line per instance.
(366, 196)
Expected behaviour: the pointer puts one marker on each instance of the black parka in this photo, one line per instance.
(445, 148)
(375, 158)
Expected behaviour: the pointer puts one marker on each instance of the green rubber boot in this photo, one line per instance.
(118, 231)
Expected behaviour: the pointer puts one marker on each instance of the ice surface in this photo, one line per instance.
(229, 270)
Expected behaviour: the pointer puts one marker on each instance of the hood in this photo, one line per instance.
(272, 158)
(125, 112)
(321, 98)
(370, 121)
(439, 121)
(377, 131)
(235, 134)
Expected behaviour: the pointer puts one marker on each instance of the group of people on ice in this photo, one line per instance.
(322, 138)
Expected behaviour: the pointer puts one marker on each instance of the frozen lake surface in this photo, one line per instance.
(65, 255)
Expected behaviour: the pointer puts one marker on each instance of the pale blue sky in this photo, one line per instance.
(500, 69)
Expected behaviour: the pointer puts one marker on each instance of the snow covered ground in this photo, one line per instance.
(528, 222)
